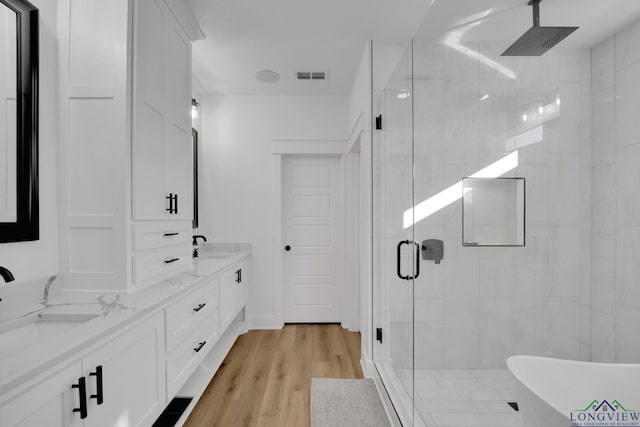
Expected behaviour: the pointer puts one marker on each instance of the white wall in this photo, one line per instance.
(28, 260)
(616, 199)
(237, 198)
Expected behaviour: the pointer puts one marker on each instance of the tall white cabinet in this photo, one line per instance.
(125, 157)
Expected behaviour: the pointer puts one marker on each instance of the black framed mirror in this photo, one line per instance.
(19, 201)
(194, 136)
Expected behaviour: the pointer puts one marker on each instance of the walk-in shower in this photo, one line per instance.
(525, 169)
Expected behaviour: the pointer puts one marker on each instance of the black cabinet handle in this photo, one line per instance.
(199, 347)
(199, 307)
(240, 276)
(99, 396)
(287, 248)
(169, 261)
(170, 197)
(175, 199)
(170, 234)
(82, 394)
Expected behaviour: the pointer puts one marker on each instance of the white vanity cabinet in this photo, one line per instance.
(125, 146)
(119, 383)
(234, 291)
(161, 148)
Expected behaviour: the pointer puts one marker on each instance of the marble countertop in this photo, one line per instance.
(112, 311)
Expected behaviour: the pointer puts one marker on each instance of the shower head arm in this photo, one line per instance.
(536, 12)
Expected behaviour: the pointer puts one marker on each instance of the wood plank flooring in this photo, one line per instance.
(265, 380)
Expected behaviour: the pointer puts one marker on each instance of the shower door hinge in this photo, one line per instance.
(379, 334)
(379, 122)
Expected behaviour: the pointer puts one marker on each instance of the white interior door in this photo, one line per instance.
(312, 238)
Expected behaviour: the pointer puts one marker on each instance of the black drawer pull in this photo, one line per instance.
(199, 347)
(170, 234)
(82, 394)
(175, 199)
(169, 261)
(199, 307)
(99, 396)
(170, 197)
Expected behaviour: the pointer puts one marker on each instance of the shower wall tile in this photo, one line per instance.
(531, 74)
(627, 344)
(628, 105)
(531, 274)
(461, 276)
(628, 177)
(496, 332)
(461, 339)
(462, 136)
(587, 151)
(496, 272)
(585, 71)
(429, 115)
(564, 65)
(530, 332)
(603, 275)
(565, 174)
(628, 267)
(628, 46)
(506, 63)
(536, 199)
(563, 327)
(565, 132)
(496, 121)
(429, 333)
(603, 201)
(461, 72)
(603, 71)
(428, 60)
(604, 127)
(565, 261)
(603, 337)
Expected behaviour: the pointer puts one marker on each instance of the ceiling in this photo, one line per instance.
(504, 21)
(286, 36)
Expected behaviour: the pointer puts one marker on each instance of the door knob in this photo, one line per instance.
(287, 248)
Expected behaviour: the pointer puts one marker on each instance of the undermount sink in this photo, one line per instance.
(23, 333)
(217, 256)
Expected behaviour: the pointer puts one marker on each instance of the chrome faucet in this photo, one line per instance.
(6, 275)
(195, 244)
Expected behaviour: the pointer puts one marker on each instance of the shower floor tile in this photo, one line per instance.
(463, 397)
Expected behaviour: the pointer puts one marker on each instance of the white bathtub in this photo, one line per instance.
(551, 391)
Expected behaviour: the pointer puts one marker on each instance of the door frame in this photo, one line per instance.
(341, 280)
(344, 149)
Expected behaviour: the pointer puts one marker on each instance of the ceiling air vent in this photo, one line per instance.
(311, 75)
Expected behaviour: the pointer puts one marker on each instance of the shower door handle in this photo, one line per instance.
(399, 256)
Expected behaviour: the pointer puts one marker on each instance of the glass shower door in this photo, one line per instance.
(395, 252)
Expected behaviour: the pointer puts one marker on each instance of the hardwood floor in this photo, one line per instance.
(265, 380)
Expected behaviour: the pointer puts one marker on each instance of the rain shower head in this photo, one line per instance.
(537, 40)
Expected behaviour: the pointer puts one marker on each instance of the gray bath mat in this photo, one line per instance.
(340, 403)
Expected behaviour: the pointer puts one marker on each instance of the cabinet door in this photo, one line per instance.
(49, 403)
(227, 298)
(133, 382)
(149, 112)
(178, 165)
(242, 288)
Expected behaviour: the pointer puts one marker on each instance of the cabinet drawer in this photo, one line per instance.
(160, 262)
(151, 235)
(184, 359)
(184, 316)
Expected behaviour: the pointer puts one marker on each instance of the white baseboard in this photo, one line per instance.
(264, 322)
(199, 380)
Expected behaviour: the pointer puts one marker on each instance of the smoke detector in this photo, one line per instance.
(312, 75)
